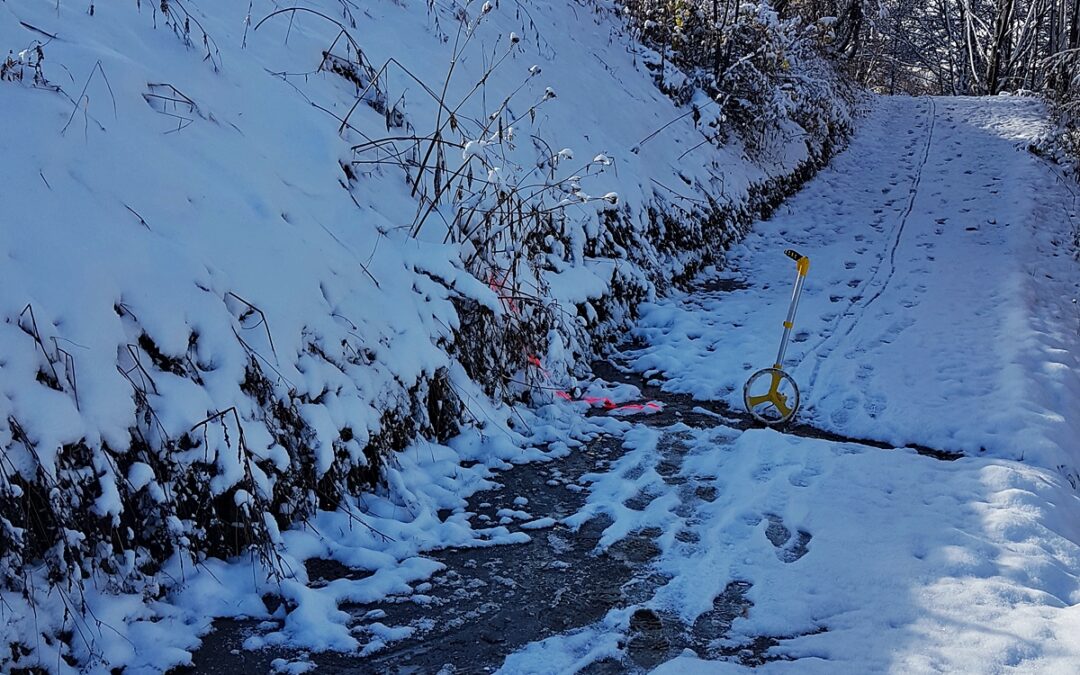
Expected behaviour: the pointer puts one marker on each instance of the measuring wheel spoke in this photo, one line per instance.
(771, 396)
(755, 401)
(785, 412)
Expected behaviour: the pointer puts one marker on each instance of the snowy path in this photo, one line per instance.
(930, 240)
(938, 311)
(937, 314)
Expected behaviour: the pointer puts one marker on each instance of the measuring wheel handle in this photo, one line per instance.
(802, 262)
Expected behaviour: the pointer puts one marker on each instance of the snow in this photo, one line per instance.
(539, 523)
(914, 565)
(562, 654)
(291, 667)
(936, 296)
(938, 311)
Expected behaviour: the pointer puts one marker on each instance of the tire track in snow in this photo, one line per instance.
(904, 216)
(856, 308)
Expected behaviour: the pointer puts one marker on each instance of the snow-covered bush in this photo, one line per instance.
(512, 221)
(26, 66)
(1062, 150)
(761, 71)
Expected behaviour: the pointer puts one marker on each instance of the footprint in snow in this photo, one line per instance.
(764, 473)
(686, 507)
(668, 469)
(706, 493)
(788, 548)
(803, 478)
(639, 502)
(687, 536)
(898, 327)
(874, 405)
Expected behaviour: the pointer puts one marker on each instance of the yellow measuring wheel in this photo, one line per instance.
(771, 395)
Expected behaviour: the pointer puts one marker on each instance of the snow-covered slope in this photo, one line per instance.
(223, 302)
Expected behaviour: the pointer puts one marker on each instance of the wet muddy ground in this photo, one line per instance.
(489, 602)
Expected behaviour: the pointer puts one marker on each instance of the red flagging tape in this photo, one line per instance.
(499, 285)
(608, 404)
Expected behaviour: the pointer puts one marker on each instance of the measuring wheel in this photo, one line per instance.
(771, 396)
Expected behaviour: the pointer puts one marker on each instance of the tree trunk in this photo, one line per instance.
(1000, 46)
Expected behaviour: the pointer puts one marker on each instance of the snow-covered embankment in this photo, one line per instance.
(248, 253)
